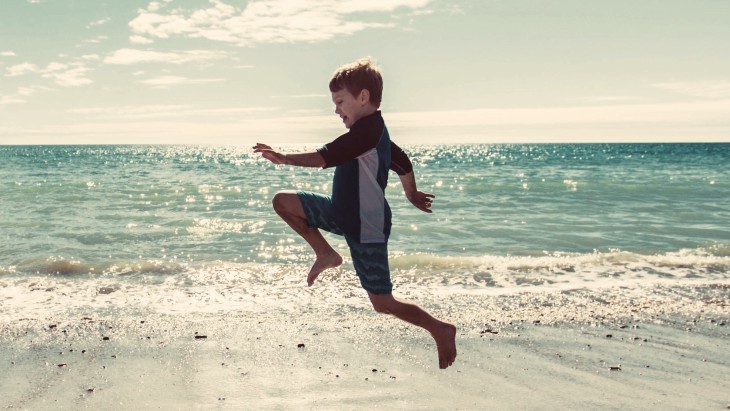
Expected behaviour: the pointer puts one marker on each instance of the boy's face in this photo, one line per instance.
(352, 108)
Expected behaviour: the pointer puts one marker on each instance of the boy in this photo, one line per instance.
(357, 208)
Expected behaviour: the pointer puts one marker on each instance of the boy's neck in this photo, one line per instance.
(368, 111)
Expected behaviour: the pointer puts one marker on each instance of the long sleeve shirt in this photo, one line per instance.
(362, 157)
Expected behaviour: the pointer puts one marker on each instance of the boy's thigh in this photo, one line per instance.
(319, 211)
(371, 265)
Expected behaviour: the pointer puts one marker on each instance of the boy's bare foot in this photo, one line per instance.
(323, 262)
(445, 338)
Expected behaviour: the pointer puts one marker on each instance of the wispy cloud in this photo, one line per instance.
(354, 6)
(134, 56)
(261, 22)
(90, 57)
(140, 40)
(608, 99)
(698, 121)
(305, 96)
(127, 112)
(20, 95)
(169, 81)
(98, 23)
(10, 99)
(66, 75)
(706, 89)
(31, 90)
(20, 69)
(165, 111)
(7, 54)
(69, 76)
(96, 40)
(624, 114)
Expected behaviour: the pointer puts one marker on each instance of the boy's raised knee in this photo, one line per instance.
(278, 201)
(282, 201)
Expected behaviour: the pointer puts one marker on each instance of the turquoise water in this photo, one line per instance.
(504, 215)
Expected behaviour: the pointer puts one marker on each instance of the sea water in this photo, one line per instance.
(190, 228)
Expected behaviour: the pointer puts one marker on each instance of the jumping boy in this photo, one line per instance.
(357, 208)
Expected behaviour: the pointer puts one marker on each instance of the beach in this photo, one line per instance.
(159, 277)
(652, 348)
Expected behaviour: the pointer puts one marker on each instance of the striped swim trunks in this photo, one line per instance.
(369, 259)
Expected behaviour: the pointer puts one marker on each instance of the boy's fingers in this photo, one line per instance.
(260, 146)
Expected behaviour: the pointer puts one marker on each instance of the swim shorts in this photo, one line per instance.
(369, 259)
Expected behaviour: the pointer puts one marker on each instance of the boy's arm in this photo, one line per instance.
(313, 159)
(419, 199)
(401, 164)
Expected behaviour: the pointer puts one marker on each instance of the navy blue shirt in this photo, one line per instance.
(362, 158)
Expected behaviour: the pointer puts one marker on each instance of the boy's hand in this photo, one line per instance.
(421, 200)
(268, 153)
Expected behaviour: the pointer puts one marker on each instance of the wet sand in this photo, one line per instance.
(660, 347)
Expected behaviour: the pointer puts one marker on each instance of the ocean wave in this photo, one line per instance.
(563, 271)
(715, 258)
(536, 269)
(57, 286)
(60, 266)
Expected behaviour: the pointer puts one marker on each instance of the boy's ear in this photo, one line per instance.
(364, 96)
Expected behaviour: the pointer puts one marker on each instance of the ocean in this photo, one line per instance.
(184, 229)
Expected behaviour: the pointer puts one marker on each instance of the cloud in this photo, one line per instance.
(705, 89)
(607, 99)
(10, 99)
(62, 74)
(20, 94)
(166, 111)
(700, 121)
(31, 90)
(686, 121)
(96, 40)
(98, 23)
(305, 96)
(135, 56)
(168, 81)
(625, 114)
(7, 54)
(183, 124)
(20, 69)
(69, 77)
(271, 21)
(131, 111)
(354, 6)
(140, 40)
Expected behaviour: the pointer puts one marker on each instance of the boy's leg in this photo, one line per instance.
(289, 207)
(371, 264)
(443, 333)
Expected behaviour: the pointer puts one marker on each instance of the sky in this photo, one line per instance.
(234, 72)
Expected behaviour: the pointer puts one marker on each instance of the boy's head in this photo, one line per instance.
(360, 75)
(357, 89)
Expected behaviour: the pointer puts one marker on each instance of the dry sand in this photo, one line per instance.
(660, 348)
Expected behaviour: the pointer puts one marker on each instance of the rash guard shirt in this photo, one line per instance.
(362, 158)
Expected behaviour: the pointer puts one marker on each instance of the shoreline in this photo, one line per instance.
(617, 349)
